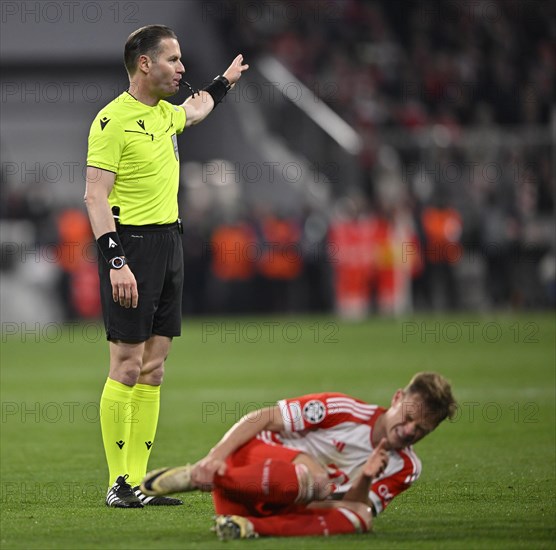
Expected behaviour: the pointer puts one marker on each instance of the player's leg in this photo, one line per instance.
(268, 477)
(314, 484)
(256, 473)
(326, 518)
(363, 512)
(273, 481)
(116, 417)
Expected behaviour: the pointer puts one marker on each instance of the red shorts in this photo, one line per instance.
(253, 452)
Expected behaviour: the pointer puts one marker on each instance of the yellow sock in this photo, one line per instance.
(115, 426)
(145, 405)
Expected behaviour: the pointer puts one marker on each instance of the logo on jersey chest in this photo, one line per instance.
(314, 411)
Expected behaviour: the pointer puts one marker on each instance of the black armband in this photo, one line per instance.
(218, 88)
(110, 247)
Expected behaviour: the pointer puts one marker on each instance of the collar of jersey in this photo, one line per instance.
(140, 102)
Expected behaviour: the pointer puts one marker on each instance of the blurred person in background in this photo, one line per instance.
(79, 277)
(353, 248)
(233, 250)
(280, 261)
(443, 228)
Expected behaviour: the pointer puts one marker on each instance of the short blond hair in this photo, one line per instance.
(436, 393)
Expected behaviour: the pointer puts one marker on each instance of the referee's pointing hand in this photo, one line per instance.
(233, 72)
(124, 287)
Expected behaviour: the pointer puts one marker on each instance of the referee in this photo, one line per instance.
(131, 198)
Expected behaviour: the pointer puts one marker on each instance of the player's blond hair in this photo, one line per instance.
(436, 393)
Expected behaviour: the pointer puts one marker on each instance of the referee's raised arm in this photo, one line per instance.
(199, 105)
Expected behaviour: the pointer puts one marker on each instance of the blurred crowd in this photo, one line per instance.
(469, 87)
(457, 214)
(411, 63)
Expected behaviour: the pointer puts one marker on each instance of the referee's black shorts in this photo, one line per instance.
(155, 256)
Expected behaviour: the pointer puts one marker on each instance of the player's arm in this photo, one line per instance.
(99, 184)
(199, 106)
(375, 465)
(240, 433)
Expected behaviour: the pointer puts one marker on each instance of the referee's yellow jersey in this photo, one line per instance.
(138, 143)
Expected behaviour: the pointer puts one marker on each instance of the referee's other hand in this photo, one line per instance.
(124, 287)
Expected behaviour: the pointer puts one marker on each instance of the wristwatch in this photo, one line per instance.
(117, 262)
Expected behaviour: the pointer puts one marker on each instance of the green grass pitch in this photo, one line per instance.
(488, 477)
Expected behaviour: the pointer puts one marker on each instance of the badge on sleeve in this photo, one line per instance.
(175, 144)
(314, 411)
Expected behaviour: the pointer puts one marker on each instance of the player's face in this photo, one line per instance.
(166, 71)
(407, 420)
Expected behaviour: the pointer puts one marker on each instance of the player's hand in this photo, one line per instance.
(124, 287)
(377, 462)
(203, 472)
(233, 72)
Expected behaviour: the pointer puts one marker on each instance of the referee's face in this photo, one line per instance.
(167, 70)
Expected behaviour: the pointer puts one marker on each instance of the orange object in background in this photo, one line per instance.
(352, 249)
(234, 252)
(280, 256)
(443, 228)
(76, 258)
(367, 256)
(74, 232)
(84, 291)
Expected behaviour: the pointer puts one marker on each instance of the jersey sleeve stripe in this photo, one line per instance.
(291, 415)
(354, 404)
(363, 412)
(297, 416)
(361, 407)
(286, 416)
(351, 412)
(265, 437)
(341, 408)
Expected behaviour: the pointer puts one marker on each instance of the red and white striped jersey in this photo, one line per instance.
(336, 429)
